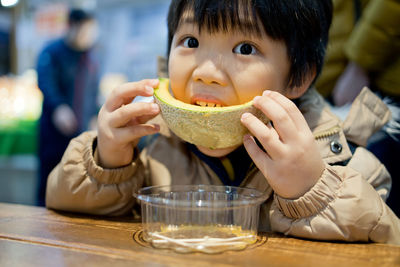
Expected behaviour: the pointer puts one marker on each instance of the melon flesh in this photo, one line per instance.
(211, 127)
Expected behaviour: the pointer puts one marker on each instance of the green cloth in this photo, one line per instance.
(18, 137)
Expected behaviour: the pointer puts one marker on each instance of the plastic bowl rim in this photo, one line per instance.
(153, 200)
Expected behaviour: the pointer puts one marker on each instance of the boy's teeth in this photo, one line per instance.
(205, 104)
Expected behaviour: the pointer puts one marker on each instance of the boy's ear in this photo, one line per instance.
(298, 91)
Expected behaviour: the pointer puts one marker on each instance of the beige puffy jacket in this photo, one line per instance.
(347, 203)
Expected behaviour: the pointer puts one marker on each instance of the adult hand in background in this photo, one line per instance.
(349, 84)
(65, 120)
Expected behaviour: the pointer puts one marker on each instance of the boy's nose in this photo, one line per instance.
(210, 72)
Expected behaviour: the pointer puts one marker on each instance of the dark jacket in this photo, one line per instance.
(65, 76)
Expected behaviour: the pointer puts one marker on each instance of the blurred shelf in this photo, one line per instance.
(18, 179)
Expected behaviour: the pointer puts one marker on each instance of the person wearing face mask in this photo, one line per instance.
(68, 77)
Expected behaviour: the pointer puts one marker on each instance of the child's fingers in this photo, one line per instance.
(140, 120)
(267, 136)
(126, 113)
(292, 110)
(133, 133)
(259, 157)
(144, 119)
(283, 123)
(125, 93)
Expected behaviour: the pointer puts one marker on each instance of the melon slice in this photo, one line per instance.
(211, 127)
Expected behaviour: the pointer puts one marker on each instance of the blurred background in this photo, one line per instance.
(132, 34)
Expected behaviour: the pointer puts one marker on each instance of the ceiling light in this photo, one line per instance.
(9, 3)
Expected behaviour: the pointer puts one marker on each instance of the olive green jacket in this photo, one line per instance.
(347, 203)
(372, 41)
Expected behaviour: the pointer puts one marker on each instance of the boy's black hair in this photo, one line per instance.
(78, 16)
(303, 26)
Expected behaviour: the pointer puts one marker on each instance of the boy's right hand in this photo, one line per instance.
(121, 123)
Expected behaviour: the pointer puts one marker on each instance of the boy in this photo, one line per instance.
(229, 52)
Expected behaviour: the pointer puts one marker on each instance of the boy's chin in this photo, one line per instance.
(217, 153)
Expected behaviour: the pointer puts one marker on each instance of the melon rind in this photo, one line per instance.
(209, 127)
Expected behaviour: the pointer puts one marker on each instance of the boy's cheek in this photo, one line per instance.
(178, 79)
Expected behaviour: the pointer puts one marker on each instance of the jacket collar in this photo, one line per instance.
(367, 115)
(325, 126)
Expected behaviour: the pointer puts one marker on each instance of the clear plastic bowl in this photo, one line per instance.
(204, 218)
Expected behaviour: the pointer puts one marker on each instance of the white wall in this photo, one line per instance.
(133, 34)
(132, 37)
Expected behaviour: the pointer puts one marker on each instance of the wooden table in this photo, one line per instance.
(34, 236)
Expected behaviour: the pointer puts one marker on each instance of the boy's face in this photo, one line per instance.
(225, 68)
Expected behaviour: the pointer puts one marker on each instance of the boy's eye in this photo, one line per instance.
(245, 49)
(190, 42)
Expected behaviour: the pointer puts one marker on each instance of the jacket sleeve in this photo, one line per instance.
(371, 43)
(343, 205)
(78, 184)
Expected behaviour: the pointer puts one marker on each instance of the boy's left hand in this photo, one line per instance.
(292, 163)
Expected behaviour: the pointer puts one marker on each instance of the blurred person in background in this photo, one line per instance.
(364, 50)
(4, 52)
(68, 77)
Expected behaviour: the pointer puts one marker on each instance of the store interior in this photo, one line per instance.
(132, 35)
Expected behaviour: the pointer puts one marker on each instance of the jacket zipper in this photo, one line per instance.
(327, 133)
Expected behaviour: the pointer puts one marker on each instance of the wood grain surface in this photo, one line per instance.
(35, 236)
